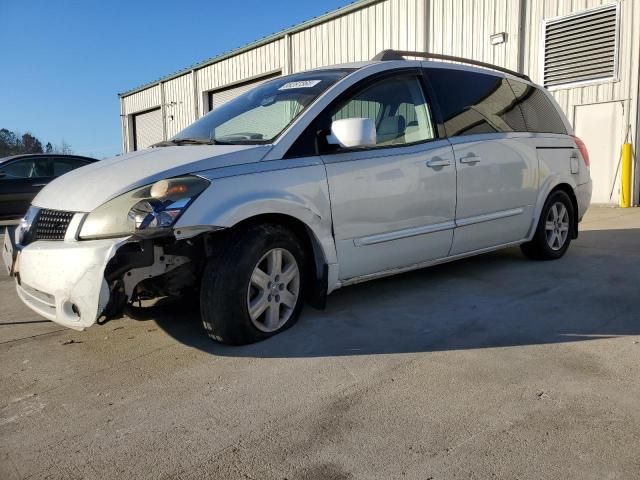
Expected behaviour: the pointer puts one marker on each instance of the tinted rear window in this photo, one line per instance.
(540, 114)
(474, 102)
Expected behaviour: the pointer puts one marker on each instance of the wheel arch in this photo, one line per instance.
(566, 188)
(565, 185)
(318, 260)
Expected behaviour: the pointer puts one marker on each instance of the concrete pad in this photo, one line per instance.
(494, 366)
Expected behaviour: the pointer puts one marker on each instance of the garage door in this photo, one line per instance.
(218, 97)
(147, 129)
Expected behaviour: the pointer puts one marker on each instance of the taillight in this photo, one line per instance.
(583, 150)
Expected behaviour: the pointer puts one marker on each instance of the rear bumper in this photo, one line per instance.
(64, 281)
(583, 196)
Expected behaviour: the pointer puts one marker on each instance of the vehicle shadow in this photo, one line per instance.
(499, 299)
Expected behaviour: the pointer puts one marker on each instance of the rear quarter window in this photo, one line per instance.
(473, 103)
(540, 114)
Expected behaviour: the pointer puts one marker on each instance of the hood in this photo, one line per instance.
(86, 188)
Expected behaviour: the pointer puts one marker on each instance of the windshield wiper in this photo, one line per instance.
(187, 141)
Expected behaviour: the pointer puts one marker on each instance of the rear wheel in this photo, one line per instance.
(255, 288)
(553, 233)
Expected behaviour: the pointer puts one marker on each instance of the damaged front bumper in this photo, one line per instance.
(64, 281)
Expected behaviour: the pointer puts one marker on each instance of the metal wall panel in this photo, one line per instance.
(140, 101)
(259, 61)
(455, 27)
(143, 100)
(359, 35)
(623, 89)
(462, 28)
(179, 100)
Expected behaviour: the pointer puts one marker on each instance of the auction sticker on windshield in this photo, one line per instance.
(300, 84)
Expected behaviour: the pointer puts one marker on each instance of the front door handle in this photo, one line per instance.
(438, 162)
(470, 159)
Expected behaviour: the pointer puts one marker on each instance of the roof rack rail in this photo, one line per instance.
(400, 54)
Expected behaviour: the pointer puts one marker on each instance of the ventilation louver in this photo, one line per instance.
(581, 47)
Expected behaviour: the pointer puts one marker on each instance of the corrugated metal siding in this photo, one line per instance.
(260, 61)
(455, 27)
(625, 89)
(629, 52)
(143, 100)
(138, 102)
(179, 103)
(359, 35)
(462, 28)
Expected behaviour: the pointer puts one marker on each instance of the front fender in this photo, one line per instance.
(301, 193)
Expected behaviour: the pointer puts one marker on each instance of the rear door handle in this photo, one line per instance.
(438, 162)
(470, 159)
(38, 184)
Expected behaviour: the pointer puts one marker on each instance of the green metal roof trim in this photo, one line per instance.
(357, 5)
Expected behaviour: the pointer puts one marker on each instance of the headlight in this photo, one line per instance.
(25, 224)
(147, 209)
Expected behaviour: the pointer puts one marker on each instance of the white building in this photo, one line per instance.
(587, 52)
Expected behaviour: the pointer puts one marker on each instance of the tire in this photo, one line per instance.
(231, 283)
(554, 230)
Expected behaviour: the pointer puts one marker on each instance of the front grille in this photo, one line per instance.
(51, 225)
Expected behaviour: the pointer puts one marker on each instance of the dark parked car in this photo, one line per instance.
(23, 176)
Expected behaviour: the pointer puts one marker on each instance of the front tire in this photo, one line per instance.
(255, 288)
(553, 233)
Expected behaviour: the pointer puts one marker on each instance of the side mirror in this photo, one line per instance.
(353, 132)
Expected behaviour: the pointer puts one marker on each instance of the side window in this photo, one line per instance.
(398, 108)
(33, 167)
(64, 165)
(540, 114)
(474, 102)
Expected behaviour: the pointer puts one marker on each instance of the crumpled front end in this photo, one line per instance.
(64, 281)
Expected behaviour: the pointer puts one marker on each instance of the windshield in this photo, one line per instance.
(262, 113)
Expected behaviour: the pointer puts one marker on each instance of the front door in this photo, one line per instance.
(393, 204)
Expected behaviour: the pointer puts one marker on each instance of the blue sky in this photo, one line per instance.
(63, 62)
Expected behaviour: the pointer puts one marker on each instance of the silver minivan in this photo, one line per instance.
(305, 184)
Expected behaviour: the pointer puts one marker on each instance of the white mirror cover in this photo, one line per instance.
(353, 132)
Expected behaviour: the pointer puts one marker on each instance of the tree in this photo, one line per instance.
(64, 148)
(8, 142)
(31, 144)
(12, 143)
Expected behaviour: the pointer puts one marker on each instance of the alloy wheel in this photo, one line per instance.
(557, 226)
(273, 291)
